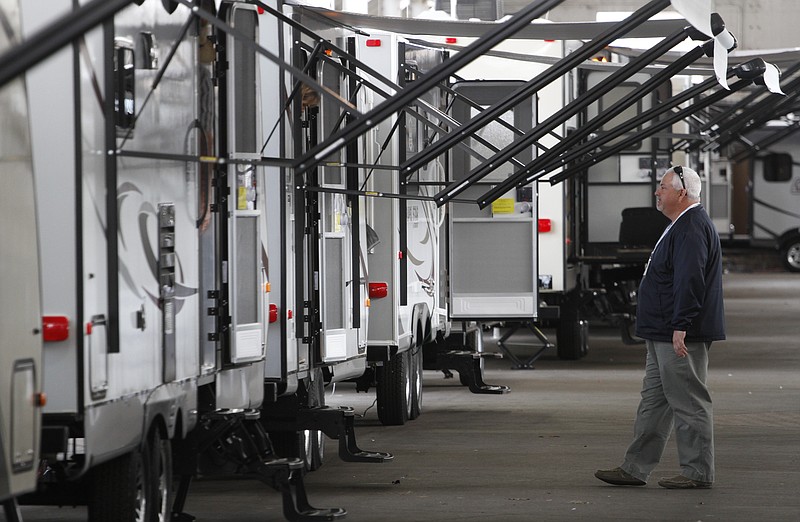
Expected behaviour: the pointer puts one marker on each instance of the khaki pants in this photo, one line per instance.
(674, 393)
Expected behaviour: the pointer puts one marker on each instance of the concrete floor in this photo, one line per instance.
(531, 454)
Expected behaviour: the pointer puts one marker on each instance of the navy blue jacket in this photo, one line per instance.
(682, 288)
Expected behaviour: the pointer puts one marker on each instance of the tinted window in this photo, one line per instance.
(778, 167)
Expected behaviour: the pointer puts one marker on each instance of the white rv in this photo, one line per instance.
(21, 321)
(150, 198)
(317, 251)
(754, 196)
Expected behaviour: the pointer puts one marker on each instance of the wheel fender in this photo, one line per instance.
(788, 237)
(420, 317)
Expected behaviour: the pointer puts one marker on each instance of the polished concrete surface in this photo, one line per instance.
(531, 454)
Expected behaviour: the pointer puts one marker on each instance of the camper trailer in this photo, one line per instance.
(150, 200)
(321, 289)
(20, 310)
(409, 232)
(755, 197)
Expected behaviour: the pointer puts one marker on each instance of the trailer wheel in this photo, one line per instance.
(119, 490)
(571, 343)
(317, 447)
(393, 390)
(160, 501)
(790, 254)
(293, 444)
(416, 383)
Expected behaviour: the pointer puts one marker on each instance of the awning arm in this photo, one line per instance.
(756, 120)
(414, 90)
(313, 53)
(748, 71)
(24, 55)
(766, 142)
(763, 110)
(649, 131)
(430, 108)
(533, 170)
(285, 67)
(558, 118)
(548, 76)
(443, 86)
(730, 113)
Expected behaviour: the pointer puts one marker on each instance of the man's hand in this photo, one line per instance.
(678, 345)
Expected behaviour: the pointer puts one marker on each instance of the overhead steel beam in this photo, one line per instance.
(463, 28)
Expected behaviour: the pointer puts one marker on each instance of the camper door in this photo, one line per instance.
(493, 251)
(339, 339)
(244, 271)
(627, 177)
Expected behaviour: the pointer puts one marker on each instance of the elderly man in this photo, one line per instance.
(679, 314)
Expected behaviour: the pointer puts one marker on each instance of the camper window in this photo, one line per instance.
(778, 168)
(124, 90)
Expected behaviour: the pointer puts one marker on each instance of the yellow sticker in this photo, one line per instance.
(503, 206)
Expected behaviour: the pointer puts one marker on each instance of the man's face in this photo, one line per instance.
(667, 198)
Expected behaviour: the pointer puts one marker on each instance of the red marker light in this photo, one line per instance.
(378, 290)
(451, 40)
(545, 225)
(373, 42)
(55, 328)
(273, 313)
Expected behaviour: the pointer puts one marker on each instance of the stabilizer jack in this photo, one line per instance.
(235, 441)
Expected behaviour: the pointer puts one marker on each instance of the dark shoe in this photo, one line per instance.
(618, 477)
(681, 482)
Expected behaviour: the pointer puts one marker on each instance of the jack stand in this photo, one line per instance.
(336, 423)
(237, 437)
(527, 364)
(468, 366)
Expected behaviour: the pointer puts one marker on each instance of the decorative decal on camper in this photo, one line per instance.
(147, 214)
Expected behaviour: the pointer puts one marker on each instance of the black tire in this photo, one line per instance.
(416, 383)
(790, 254)
(160, 500)
(393, 390)
(570, 334)
(317, 448)
(293, 445)
(119, 490)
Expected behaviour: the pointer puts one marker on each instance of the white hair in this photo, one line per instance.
(692, 181)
